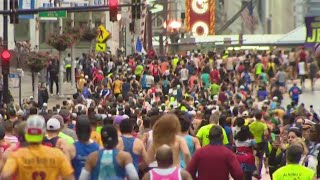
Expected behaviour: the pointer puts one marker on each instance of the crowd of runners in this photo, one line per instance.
(203, 116)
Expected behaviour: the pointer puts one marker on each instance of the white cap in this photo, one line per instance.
(245, 113)
(53, 124)
(45, 104)
(241, 87)
(31, 97)
(215, 97)
(86, 76)
(275, 98)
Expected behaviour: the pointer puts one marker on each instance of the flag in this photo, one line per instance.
(139, 47)
(248, 17)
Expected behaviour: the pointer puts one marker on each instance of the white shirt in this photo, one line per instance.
(184, 74)
(301, 67)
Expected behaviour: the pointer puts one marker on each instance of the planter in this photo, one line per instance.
(36, 61)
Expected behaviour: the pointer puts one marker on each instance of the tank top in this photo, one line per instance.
(259, 68)
(82, 152)
(191, 148)
(162, 174)
(50, 142)
(128, 143)
(107, 166)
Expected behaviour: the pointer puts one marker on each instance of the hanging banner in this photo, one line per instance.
(313, 31)
(200, 18)
(26, 4)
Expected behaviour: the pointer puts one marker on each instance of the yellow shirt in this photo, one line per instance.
(96, 137)
(293, 172)
(257, 129)
(117, 87)
(203, 135)
(38, 162)
(81, 83)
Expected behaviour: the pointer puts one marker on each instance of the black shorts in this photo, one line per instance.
(260, 149)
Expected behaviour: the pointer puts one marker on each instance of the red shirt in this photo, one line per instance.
(215, 162)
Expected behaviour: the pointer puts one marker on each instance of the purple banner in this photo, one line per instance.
(313, 31)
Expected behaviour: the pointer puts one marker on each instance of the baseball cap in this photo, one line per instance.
(53, 124)
(35, 129)
(245, 113)
(45, 104)
(275, 98)
(59, 117)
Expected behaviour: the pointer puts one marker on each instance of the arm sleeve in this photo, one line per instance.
(131, 171)
(236, 171)
(65, 168)
(84, 174)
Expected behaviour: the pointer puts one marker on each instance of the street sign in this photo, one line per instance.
(26, 4)
(103, 34)
(13, 80)
(101, 47)
(55, 14)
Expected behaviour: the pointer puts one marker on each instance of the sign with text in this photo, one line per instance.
(26, 4)
(313, 31)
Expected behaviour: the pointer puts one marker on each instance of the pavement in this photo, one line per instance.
(26, 91)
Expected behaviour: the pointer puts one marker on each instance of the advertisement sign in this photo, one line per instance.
(313, 31)
(199, 17)
(26, 4)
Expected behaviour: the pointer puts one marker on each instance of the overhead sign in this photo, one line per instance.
(26, 4)
(313, 31)
(103, 34)
(55, 14)
(101, 47)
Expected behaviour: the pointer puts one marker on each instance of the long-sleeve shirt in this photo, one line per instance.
(215, 162)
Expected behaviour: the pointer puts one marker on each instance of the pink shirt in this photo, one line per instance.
(161, 174)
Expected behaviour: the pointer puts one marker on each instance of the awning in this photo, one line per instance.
(294, 37)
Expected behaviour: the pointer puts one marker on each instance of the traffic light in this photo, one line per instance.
(136, 9)
(5, 61)
(14, 17)
(113, 6)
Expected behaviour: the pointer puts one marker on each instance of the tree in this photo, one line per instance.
(36, 61)
(61, 42)
(89, 35)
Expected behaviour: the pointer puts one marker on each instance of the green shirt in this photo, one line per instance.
(68, 138)
(203, 135)
(293, 172)
(138, 70)
(214, 89)
(257, 129)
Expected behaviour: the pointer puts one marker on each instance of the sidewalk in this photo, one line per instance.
(26, 91)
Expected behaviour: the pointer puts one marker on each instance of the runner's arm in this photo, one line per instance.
(185, 175)
(129, 167)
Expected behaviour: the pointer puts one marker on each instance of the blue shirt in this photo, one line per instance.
(107, 166)
(295, 91)
(82, 152)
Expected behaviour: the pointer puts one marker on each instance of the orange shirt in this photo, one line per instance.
(96, 137)
(38, 162)
(164, 66)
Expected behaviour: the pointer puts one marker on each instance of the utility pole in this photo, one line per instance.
(5, 68)
(73, 63)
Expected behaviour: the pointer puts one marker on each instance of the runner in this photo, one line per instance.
(40, 161)
(109, 162)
